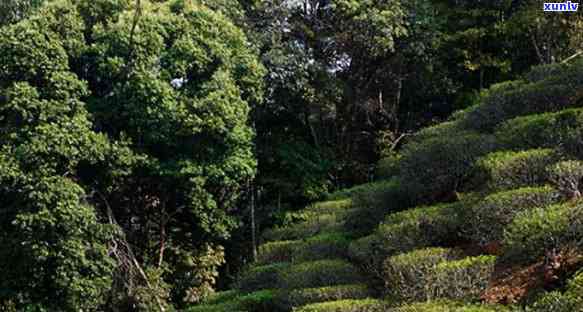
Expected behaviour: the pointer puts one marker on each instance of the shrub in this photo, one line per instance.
(562, 129)
(512, 99)
(436, 168)
(463, 279)
(567, 176)
(368, 254)
(260, 301)
(371, 205)
(281, 251)
(350, 192)
(556, 301)
(332, 206)
(488, 218)
(319, 274)
(261, 277)
(534, 232)
(364, 305)
(419, 227)
(388, 167)
(449, 306)
(221, 297)
(509, 170)
(408, 276)
(315, 224)
(323, 246)
(300, 297)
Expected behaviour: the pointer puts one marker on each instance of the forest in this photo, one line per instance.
(291, 156)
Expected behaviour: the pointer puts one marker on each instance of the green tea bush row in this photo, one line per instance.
(548, 130)
(261, 277)
(488, 218)
(319, 247)
(319, 274)
(433, 273)
(436, 168)
(372, 205)
(537, 231)
(567, 176)
(511, 99)
(350, 192)
(449, 306)
(406, 275)
(301, 297)
(509, 170)
(405, 231)
(314, 225)
(260, 301)
(364, 305)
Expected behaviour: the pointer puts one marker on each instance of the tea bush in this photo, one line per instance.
(314, 225)
(300, 297)
(510, 170)
(260, 301)
(261, 277)
(372, 205)
(364, 305)
(536, 231)
(511, 99)
(408, 276)
(548, 130)
(319, 274)
(433, 273)
(449, 306)
(567, 176)
(420, 227)
(463, 279)
(280, 251)
(436, 168)
(488, 218)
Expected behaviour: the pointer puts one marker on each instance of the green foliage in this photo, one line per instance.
(376, 200)
(363, 305)
(510, 170)
(428, 274)
(319, 274)
(487, 219)
(436, 168)
(260, 301)
(567, 176)
(569, 300)
(54, 249)
(464, 279)
(331, 206)
(449, 306)
(314, 225)
(409, 276)
(279, 251)
(420, 227)
(388, 167)
(520, 98)
(548, 130)
(557, 301)
(300, 297)
(537, 231)
(322, 246)
(12, 11)
(261, 277)
(405, 231)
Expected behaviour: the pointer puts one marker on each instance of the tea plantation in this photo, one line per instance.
(480, 213)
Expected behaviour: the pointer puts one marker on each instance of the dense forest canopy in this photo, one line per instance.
(144, 144)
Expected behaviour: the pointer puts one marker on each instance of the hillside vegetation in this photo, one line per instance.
(480, 213)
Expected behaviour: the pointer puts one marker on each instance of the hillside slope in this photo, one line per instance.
(480, 213)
